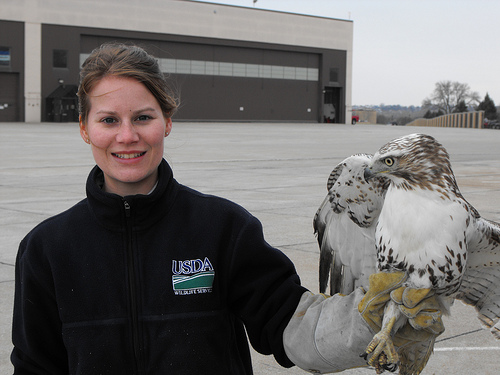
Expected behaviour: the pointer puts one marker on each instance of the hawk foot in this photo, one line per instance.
(382, 364)
(383, 354)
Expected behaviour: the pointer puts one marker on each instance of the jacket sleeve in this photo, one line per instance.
(36, 328)
(264, 289)
(327, 334)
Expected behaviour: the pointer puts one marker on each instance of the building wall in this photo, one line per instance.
(12, 72)
(189, 18)
(199, 33)
(366, 115)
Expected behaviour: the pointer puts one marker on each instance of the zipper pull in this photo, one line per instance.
(127, 208)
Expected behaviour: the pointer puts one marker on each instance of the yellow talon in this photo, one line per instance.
(382, 348)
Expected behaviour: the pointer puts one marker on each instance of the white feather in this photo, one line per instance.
(421, 225)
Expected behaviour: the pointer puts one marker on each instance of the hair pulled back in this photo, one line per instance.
(121, 60)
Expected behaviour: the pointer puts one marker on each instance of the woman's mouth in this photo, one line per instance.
(129, 155)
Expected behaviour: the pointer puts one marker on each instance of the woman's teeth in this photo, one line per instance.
(129, 156)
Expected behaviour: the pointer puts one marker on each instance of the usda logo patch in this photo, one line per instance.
(194, 276)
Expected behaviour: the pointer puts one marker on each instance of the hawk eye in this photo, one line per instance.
(389, 162)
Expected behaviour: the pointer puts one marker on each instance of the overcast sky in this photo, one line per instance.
(403, 47)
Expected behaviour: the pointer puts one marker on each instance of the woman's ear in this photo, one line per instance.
(83, 131)
(168, 127)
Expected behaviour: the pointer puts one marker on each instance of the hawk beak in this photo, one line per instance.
(368, 174)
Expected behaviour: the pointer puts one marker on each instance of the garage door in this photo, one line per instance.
(9, 106)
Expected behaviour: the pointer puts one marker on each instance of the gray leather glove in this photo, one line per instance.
(326, 334)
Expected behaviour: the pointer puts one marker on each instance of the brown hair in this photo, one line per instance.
(122, 60)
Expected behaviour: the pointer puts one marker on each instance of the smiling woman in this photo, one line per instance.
(125, 128)
(125, 113)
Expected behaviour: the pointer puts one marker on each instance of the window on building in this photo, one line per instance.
(4, 56)
(60, 58)
(229, 69)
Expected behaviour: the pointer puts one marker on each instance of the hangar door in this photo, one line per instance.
(9, 106)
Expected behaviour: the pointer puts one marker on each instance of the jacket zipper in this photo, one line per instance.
(132, 290)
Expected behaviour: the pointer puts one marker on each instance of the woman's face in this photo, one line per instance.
(125, 129)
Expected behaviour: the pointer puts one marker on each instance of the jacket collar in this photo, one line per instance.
(145, 210)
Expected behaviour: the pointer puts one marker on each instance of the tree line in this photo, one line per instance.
(455, 97)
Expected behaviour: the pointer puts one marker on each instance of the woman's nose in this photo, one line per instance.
(127, 133)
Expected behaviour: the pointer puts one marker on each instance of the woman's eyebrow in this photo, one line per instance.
(111, 112)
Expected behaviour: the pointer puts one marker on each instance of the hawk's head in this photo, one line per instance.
(415, 160)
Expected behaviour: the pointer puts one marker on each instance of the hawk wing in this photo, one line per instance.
(345, 225)
(481, 281)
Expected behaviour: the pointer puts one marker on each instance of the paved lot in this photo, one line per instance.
(277, 171)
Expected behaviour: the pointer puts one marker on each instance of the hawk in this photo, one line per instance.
(401, 210)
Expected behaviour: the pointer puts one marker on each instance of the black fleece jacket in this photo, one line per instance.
(165, 283)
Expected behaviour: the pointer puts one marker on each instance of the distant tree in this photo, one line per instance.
(447, 95)
(432, 114)
(382, 119)
(460, 107)
(488, 106)
(429, 114)
(403, 120)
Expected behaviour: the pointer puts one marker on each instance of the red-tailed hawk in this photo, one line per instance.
(401, 210)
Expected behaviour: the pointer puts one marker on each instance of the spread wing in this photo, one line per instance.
(345, 226)
(481, 281)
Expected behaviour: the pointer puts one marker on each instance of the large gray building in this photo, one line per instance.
(226, 63)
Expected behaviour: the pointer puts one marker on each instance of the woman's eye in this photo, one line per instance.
(143, 118)
(389, 162)
(108, 120)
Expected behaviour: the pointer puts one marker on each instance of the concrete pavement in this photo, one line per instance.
(276, 171)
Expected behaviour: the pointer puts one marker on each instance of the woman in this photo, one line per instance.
(147, 276)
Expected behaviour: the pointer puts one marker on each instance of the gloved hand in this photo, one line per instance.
(373, 303)
(420, 306)
(326, 335)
